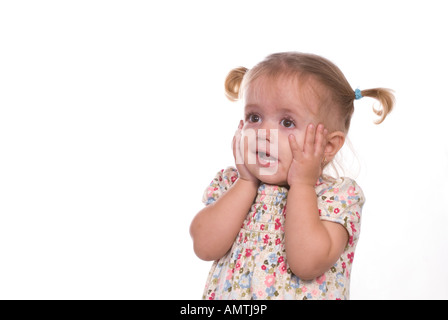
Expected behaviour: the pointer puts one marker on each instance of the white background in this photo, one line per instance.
(113, 121)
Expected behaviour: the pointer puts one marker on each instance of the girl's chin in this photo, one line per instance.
(273, 180)
(270, 176)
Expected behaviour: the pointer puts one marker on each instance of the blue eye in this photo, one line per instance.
(287, 123)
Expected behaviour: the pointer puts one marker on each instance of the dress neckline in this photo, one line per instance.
(270, 189)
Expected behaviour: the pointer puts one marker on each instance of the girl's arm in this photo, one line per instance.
(312, 246)
(215, 227)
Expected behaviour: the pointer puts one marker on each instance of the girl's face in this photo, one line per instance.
(274, 109)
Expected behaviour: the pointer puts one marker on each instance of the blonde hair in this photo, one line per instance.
(339, 93)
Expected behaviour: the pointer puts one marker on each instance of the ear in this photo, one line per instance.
(335, 141)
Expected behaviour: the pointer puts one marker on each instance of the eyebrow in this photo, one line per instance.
(289, 110)
(281, 110)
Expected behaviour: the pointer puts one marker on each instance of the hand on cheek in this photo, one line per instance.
(240, 152)
(306, 167)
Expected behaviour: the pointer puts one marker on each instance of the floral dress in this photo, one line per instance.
(256, 266)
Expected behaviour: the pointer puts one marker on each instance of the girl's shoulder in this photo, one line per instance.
(222, 181)
(343, 186)
(341, 201)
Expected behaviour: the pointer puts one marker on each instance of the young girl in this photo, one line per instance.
(276, 226)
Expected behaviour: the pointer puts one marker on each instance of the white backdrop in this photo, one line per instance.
(113, 120)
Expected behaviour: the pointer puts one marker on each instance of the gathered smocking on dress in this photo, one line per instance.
(256, 266)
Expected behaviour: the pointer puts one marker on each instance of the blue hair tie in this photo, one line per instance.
(358, 94)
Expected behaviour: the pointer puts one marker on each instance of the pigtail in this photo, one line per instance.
(386, 99)
(233, 83)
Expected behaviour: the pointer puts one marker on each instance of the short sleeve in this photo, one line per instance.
(223, 180)
(342, 202)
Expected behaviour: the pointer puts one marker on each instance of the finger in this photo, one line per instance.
(234, 140)
(294, 146)
(310, 133)
(325, 140)
(239, 153)
(236, 145)
(249, 156)
(324, 146)
(319, 140)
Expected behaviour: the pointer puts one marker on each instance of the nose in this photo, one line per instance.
(265, 132)
(267, 136)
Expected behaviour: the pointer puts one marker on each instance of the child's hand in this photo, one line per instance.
(240, 155)
(306, 167)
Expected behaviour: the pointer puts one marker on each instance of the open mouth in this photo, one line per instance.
(265, 159)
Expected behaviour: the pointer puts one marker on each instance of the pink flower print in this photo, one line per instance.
(277, 241)
(266, 239)
(262, 197)
(211, 191)
(270, 280)
(229, 274)
(248, 252)
(263, 267)
(320, 212)
(344, 265)
(351, 191)
(336, 210)
(321, 279)
(280, 259)
(278, 224)
(212, 296)
(336, 190)
(233, 178)
(350, 241)
(350, 256)
(352, 225)
(282, 268)
(261, 228)
(304, 289)
(357, 214)
(265, 207)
